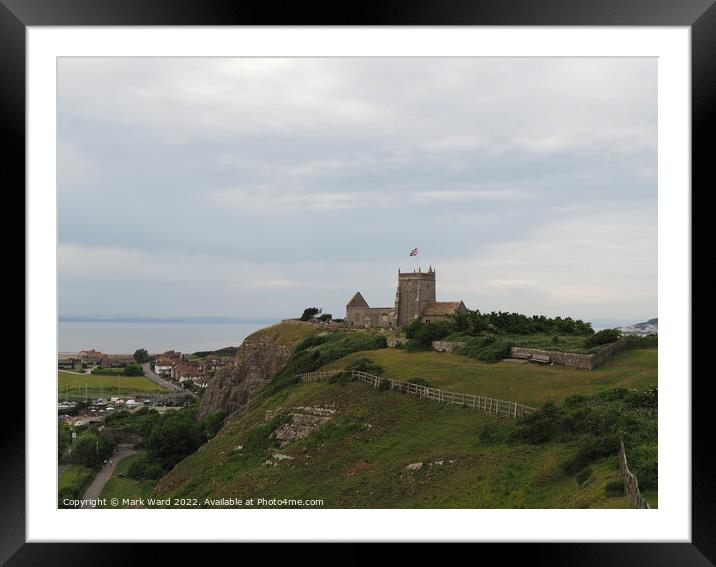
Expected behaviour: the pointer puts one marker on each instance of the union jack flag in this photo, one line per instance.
(414, 252)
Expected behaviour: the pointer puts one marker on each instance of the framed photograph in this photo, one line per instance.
(395, 279)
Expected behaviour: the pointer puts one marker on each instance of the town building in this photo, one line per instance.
(91, 357)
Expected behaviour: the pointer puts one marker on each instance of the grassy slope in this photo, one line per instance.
(531, 384)
(287, 334)
(110, 385)
(375, 435)
(117, 487)
(72, 473)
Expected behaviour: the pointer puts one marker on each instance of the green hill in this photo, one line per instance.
(358, 457)
(353, 446)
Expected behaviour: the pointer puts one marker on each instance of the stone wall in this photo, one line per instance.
(602, 354)
(570, 359)
(370, 317)
(446, 346)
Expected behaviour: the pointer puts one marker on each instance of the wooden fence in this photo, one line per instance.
(309, 377)
(631, 484)
(495, 406)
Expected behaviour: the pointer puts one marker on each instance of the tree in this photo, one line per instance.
(174, 437)
(141, 356)
(325, 317)
(91, 450)
(310, 313)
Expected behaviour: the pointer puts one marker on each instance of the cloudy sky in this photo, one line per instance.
(257, 187)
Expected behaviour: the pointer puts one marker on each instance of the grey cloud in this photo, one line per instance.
(278, 165)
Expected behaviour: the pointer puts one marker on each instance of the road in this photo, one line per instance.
(148, 373)
(95, 489)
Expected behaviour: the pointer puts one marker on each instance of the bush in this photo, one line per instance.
(310, 341)
(365, 365)
(602, 337)
(647, 341)
(473, 323)
(133, 370)
(310, 313)
(584, 475)
(424, 333)
(614, 488)
(421, 382)
(642, 399)
(384, 384)
(592, 449)
(143, 468)
(488, 348)
(643, 462)
(342, 378)
(539, 427)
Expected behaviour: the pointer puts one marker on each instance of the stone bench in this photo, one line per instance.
(543, 358)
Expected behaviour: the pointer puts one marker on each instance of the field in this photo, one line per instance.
(118, 487)
(359, 458)
(531, 384)
(72, 386)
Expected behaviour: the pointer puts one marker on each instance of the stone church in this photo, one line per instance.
(414, 298)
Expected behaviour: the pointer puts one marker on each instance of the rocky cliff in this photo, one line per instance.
(261, 355)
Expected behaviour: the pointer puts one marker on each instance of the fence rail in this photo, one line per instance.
(495, 406)
(631, 484)
(309, 377)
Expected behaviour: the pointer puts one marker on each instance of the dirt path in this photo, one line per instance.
(93, 490)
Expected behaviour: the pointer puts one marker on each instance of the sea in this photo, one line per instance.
(124, 337)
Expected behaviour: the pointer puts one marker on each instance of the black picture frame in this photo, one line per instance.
(699, 15)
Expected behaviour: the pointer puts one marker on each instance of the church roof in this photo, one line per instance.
(357, 301)
(437, 308)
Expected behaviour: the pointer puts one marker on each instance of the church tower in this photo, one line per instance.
(415, 291)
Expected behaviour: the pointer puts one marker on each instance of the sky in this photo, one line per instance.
(255, 187)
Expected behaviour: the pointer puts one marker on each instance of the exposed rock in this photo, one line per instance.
(282, 457)
(414, 467)
(261, 355)
(304, 420)
(319, 411)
